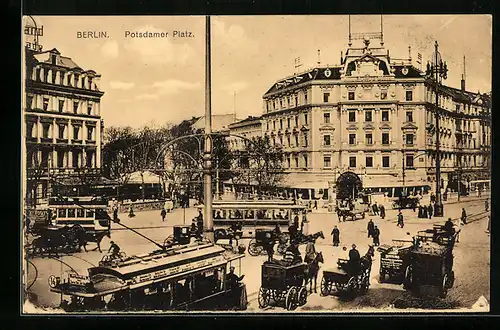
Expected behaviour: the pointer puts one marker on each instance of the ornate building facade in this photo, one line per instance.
(62, 121)
(374, 116)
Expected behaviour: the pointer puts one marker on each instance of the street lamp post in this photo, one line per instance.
(439, 70)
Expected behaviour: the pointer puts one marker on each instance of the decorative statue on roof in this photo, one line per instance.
(367, 42)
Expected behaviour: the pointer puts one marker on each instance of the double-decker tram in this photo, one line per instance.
(91, 213)
(253, 215)
(191, 276)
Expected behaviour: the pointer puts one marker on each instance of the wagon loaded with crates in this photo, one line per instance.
(283, 283)
(393, 260)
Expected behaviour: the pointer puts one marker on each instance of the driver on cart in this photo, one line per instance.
(310, 251)
(114, 250)
(354, 259)
(292, 254)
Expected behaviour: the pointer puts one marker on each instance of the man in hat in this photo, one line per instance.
(336, 236)
(464, 216)
(400, 219)
(310, 251)
(354, 259)
(382, 211)
(376, 236)
(370, 228)
(233, 279)
(163, 214)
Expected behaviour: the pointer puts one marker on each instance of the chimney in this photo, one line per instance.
(462, 82)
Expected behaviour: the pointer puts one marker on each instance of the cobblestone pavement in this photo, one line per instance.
(471, 263)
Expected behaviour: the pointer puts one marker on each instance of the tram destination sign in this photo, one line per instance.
(79, 280)
(177, 269)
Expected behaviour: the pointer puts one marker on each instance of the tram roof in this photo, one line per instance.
(249, 206)
(257, 202)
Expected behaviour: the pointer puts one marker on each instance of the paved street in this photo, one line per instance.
(471, 264)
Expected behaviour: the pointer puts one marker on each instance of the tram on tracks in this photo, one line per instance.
(193, 276)
(253, 215)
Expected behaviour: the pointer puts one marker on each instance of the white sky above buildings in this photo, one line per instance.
(162, 80)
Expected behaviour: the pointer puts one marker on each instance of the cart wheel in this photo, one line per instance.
(277, 296)
(407, 283)
(352, 284)
(291, 299)
(325, 286)
(302, 296)
(444, 286)
(263, 297)
(381, 278)
(365, 284)
(254, 249)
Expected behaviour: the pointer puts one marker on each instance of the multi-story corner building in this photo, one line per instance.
(248, 128)
(373, 116)
(62, 120)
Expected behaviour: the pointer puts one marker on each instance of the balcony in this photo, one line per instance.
(46, 140)
(92, 142)
(32, 139)
(62, 141)
(76, 141)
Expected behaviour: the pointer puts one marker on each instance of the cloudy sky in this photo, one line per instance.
(162, 80)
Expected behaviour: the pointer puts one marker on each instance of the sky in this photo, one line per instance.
(161, 80)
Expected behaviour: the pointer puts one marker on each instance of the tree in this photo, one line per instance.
(259, 163)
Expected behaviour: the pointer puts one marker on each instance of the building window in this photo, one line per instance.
(296, 140)
(296, 100)
(368, 115)
(409, 116)
(75, 106)
(89, 159)
(281, 123)
(383, 95)
(369, 138)
(326, 140)
(409, 161)
(352, 139)
(45, 103)
(409, 95)
(351, 96)
(289, 100)
(289, 122)
(305, 119)
(305, 98)
(281, 140)
(29, 129)
(267, 126)
(296, 121)
(385, 161)
(409, 139)
(352, 162)
(90, 131)
(296, 162)
(76, 157)
(46, 130)
(274, 124)
(306, 163)
(76, 131)
(288, 162)
(326, 118)
(288, 140)
(457, 107)
(75, 80)
(29, 101)
(89, 108)
(352, 116)
(61, 105)
(60, 159)
(327, 161)
(61, 131)
(326, 97)
(305, 140)
(369, 161)
(385, 138)
(385, 115)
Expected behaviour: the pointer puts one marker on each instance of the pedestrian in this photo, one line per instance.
(375, 208)
(370, 228)
(420, 212)
(131, 213)
(163, 214)
(400, 220)
(305, 227)
(464, 216)
(376, 236)
(336, 236)
(430, 211)
(486, 205)
(316, 204)
(382, 211)
(425, 214)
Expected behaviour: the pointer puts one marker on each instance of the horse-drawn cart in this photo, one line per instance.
(283, 283)
(348, 277)
(430, 262)
(393, 259)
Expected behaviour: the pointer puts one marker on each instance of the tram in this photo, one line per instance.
(193, 276)
(253, 215)
(91, 213)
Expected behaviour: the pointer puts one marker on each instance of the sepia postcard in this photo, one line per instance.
(256, 164)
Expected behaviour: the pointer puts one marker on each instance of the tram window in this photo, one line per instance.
(90, 213)
(61, 213)
(80, 213)
(71, 213)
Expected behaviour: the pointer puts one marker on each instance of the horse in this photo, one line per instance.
(312, 270)
(82, 237)
(313, 237)
(366, 260)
